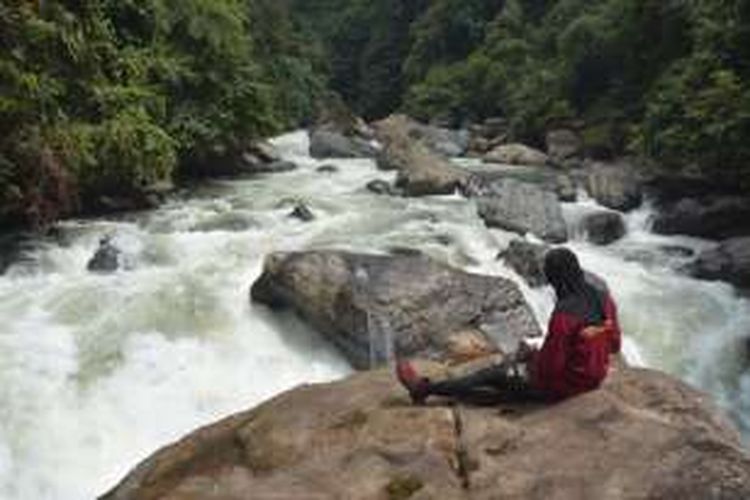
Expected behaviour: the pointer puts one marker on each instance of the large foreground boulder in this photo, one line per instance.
(521, 207)
(717, 217)
(420, 170)
(367, 304)
(643, 435)
(729, 261)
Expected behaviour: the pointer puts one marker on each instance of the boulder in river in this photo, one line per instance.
(642, 435)
(302, 212)
(521, 207)
(331, 144)
(717, 217)
(516, 154)
(443, 141)
(614, 186)
(729, 261)
(603, 227)
(362, 303)
(420, 171)
(327, 169)
(379, 186)
(106, 259)
(527, 260)
(563, 144)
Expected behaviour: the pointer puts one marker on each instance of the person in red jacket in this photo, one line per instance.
(583, 331)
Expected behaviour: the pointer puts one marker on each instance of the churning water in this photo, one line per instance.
(98, 371)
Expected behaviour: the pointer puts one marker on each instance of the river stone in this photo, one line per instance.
(302, 212)
(604, 227)
(642, 435)
(379, 186)
(521, 207)
(516, 154)
(563, 144)
(729, 261)
(422, 304)
(420, 171)
(717, 217)
(330, 144)
(443, 141)
(327, 169)
(527, 260)
(106, 259)
(614, 186)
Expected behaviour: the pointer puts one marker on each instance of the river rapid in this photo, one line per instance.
(98, 371)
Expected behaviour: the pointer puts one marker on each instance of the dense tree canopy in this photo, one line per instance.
(101, 96)
(98, 96)
(664, 78)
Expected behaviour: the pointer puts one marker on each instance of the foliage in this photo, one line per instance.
(119, 94)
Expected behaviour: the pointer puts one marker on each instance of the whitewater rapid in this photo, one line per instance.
(98, 371)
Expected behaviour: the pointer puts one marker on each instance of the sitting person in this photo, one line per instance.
(583, 331)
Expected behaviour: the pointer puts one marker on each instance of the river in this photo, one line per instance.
(98, 371)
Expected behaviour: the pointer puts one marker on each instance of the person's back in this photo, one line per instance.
(582, 333)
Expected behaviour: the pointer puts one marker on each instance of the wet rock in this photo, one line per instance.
(443, 141)
(527, 260)
(603, 228)
(229, 221)
(521, 207)
(642, 435)
(327, 169)
(516, 154)
(277, 167)
(677, 251)
(330, 144)
(420, 171)
(716, 218)
(563, 144)
(419, 303)
(106, 259)
(566, 188)
(729, 261)
(614, 186)
(302, 212)
(379, 186)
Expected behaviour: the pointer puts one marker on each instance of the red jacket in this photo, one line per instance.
(573, 359)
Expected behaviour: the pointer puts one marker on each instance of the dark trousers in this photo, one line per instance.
(496, 383)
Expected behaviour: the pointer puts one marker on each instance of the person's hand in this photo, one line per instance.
(594, 331)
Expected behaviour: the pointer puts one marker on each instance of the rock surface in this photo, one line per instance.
(302, 212)
(106, 259)
(420, 171)
(427, 308)
(521, 207)
(717, 218)
(446, 142)
(526, 259)
(614, 186)
(603, 228)
(563, 144)
(643, 435)
(729, 261)
(326, 143)
(516, 154)
(379, 186)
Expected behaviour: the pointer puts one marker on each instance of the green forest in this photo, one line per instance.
(116, 95)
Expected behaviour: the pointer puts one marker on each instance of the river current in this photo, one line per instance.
(98, 371)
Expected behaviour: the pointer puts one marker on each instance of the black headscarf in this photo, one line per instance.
(574, 293)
